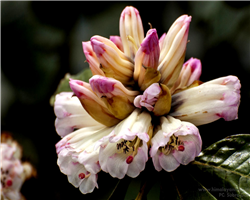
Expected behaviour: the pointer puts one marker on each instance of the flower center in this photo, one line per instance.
(174, 143)
(129, 148)
(5, 179)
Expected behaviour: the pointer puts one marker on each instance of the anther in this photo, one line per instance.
(126, 149)
(131, 39)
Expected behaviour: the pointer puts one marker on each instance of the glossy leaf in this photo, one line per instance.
(64, 83)
(224, 167)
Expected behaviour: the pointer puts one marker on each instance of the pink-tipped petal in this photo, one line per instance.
(70, 114)
(190, 72)
(174, 143)
(210, 101)
(117, 41)
(173, 50)
(92, 59)
(110, 57)
(147, 55)
(92, 103)
(131, 25)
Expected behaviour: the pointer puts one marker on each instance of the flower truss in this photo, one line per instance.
(142, 100)
(13, 171)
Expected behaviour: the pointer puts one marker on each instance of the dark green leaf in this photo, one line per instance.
(224, 168)
(64, 83)
(180, 185)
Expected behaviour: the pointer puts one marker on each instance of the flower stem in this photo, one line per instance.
(142, 193)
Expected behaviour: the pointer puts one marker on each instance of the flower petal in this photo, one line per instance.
(110, 57)
(190, 72)
(117, 41)
(89, 184)
(219, 98)
(168, 162)
(70, 114)
(139, 161)
(92, 103)
(131, 26)
(156, 161)
(135, 129)
(92, 59)
(76, 173)
(173, 50)
(165, 152)
(147, 55)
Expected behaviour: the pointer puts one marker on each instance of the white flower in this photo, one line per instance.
(125, 150)
(175, 142)
(141, 97)
(13, 171)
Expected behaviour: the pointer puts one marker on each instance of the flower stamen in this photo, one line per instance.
(174, 143)
(129, 147)
(124, 147)
(131, 39)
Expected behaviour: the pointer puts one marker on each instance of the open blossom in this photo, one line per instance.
(175, 142)
(13, 171)
(141, 100)
(78, 159)
(125, 150)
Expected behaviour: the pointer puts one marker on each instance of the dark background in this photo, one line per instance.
(41, 42)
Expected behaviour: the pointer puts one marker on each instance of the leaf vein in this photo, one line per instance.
(218, 167)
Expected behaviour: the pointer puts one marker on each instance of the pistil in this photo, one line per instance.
(129, 147)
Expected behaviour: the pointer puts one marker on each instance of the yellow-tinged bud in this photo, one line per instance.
(120, 107)
(163, 104)
(151, 76)
(194, 84)
(92, 103)
(117, 98)
(156, 98)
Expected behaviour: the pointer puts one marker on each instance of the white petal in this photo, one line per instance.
(73, 170)
(168, 162)
(114, 161)
(70, 114)
(89, 184)
(208, 102)
(77, 169)
(156, 161)
(117, 166)
(190, 152)
(139, 161)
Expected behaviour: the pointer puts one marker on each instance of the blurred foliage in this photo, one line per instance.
(63, 86)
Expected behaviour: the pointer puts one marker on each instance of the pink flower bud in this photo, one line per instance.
(109, 57)
(173, 49)
(131, 26)
(147, 55)
(92, 103)
(117, 41)
(190, 72)
(116, 97)
(91, 58)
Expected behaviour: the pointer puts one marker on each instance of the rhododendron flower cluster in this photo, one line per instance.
(142, 101)
(13, 171)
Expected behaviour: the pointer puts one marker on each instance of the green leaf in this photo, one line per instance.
(180, 185)
(224, 167)
(64, 83)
